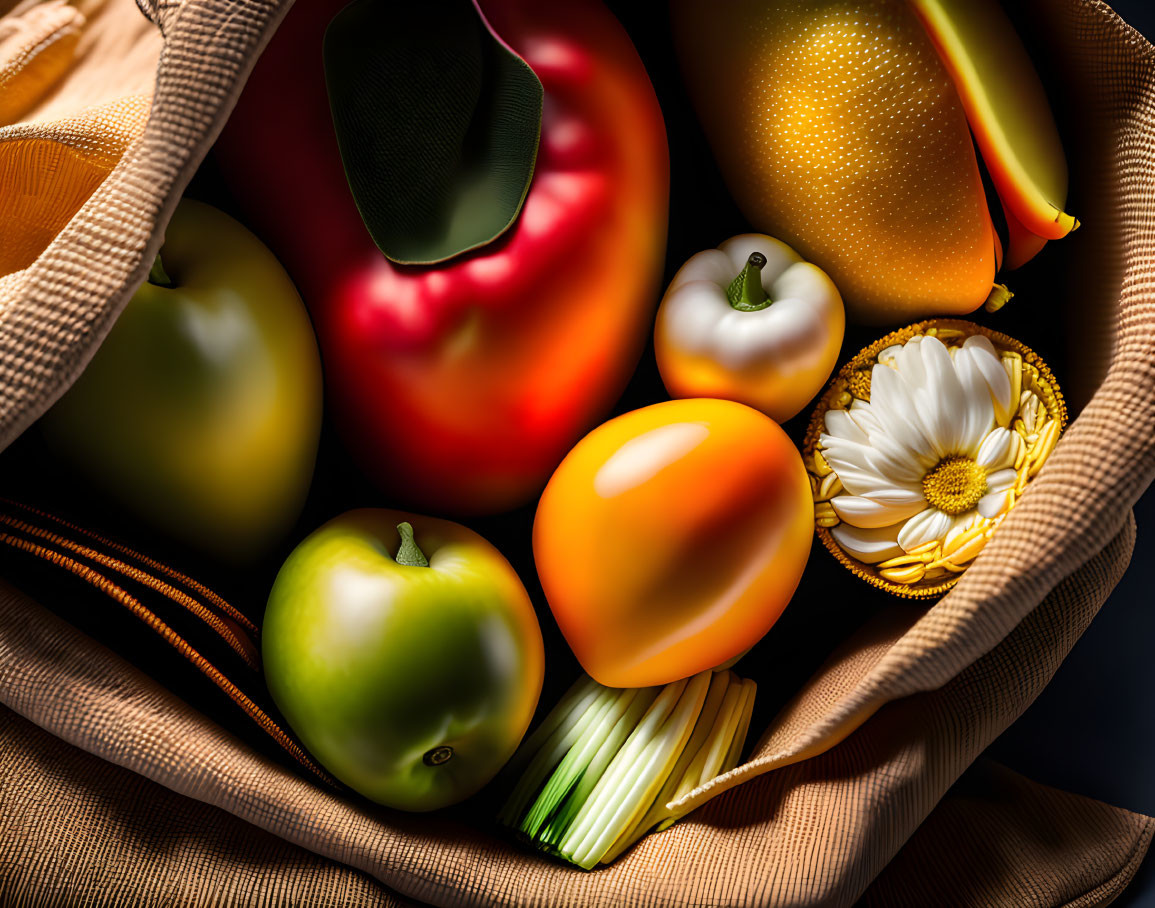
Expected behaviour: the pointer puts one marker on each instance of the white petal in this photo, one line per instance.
(851, 453)
(986, 358)
(896, 411)
(871, 514)
(861, 413)
(887, 354)
(896, 462)
(873, 467)
(997, 450)
(978, 417)
(840, 424)
(994, 503)
(869, 546)
(909, 363)
(939, 403)
(1000, 481)
(931, 524)
(857, 477)
(896, 497)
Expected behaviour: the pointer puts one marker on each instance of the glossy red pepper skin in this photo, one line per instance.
(460, 386)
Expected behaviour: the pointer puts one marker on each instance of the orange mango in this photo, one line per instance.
(671, 538)
(844, 127)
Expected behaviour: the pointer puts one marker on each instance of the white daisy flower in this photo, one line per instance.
(920, 474)
(927, 455)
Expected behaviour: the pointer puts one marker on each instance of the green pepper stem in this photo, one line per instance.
(157, 275)
(409, 552)
(745, 292)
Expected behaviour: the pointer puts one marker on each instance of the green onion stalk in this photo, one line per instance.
(607, 763)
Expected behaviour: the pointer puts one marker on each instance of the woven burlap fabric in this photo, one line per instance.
(131, 841)
(814, 833)
(75, 829)
(75, 87)
(55, 311)
(1076, 852)
(919, 693)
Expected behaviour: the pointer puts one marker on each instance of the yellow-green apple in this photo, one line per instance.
(201, 410)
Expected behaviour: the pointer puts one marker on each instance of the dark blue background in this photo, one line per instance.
(1092, 731)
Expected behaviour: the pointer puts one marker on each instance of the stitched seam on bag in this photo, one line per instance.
(1121, 878)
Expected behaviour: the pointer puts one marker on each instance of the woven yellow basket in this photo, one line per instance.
(1039, 416)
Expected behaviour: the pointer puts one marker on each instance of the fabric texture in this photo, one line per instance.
(57, 309)
(815, 832)
(75, 89)
(839, 781)
(993, 816)
(75, 829)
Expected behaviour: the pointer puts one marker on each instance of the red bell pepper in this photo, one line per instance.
(459, 386)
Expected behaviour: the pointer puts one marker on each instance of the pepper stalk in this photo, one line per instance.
(604, 767)
(749, 321)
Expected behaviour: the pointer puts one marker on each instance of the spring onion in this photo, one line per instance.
(603, 768)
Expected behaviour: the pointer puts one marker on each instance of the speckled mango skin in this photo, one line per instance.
(839, 131)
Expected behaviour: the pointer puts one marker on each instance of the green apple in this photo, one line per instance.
(405, 654)
(201, 411)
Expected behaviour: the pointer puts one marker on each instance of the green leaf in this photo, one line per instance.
(437, 121)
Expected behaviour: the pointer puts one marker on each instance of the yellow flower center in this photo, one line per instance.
(955, 485)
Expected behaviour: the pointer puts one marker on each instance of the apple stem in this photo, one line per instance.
(745, 292)
(157, 275)
(409, 553)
